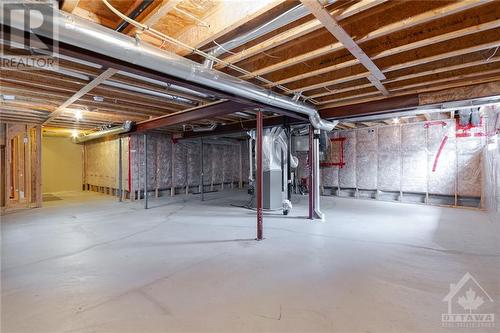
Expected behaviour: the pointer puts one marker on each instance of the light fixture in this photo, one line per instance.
(395, 120)
(98, 98)
(78, 114)
(74, 133)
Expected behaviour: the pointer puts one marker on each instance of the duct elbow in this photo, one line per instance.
(322, 124)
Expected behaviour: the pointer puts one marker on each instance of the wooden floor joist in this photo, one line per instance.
(91, 85)
(345, 53)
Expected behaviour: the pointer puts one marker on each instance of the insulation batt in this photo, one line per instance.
(221, 162)
(402, 157)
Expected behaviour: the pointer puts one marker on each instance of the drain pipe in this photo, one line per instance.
(126, 127)
(90, 36)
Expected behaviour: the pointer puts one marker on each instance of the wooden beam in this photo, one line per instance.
(388, 52)
(399, 66)
(226, 18)
(372, 107)
(83, 13)
(91, 85)
(342, 36)
(339, 14)
(483, 61)
(70, 5)
(424, 89)
(299, 31)
(154, 16)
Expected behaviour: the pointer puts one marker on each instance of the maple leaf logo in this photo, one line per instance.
(470, 301)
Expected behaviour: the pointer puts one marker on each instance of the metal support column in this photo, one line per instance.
(120, 171)
(289, 162)
(145, 171)
(310, 189)
(316, 178)
(259, 175)
(201, 173)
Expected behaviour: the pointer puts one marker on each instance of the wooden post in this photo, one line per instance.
(38, 176)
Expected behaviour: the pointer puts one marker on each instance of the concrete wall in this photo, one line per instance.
(61, 165)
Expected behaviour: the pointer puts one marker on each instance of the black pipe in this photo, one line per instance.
(133, 15)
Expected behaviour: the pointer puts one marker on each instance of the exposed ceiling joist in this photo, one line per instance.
(228, 16)
(342, 36)
(91, 85)
(70, 5)
(403, 65)
(152, 18)
(392, 51)
(299, 31)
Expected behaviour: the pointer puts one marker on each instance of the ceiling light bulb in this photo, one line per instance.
(74, 133)
(78, 115)
(395, 120)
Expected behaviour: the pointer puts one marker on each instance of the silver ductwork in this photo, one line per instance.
(90, 36)
(279, 21)
(287, 17)
(126, 127)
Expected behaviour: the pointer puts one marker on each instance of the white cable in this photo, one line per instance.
(491, 56)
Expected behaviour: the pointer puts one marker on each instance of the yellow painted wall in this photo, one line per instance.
(61, 165)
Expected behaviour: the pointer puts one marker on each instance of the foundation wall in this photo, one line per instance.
(171, 164)
(491, 158)
(418, 162)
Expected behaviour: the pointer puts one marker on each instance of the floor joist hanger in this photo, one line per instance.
(343, 37)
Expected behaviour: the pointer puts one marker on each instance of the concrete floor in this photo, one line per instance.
(90, 264)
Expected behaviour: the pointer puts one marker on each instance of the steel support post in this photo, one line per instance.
(202, 171)
(310, 188)
(316, 178)
(145, 171)
(259, 176)
(120, 170)
(289, 162)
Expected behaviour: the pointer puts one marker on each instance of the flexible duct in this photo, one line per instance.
(90, 36)
(126, 127)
